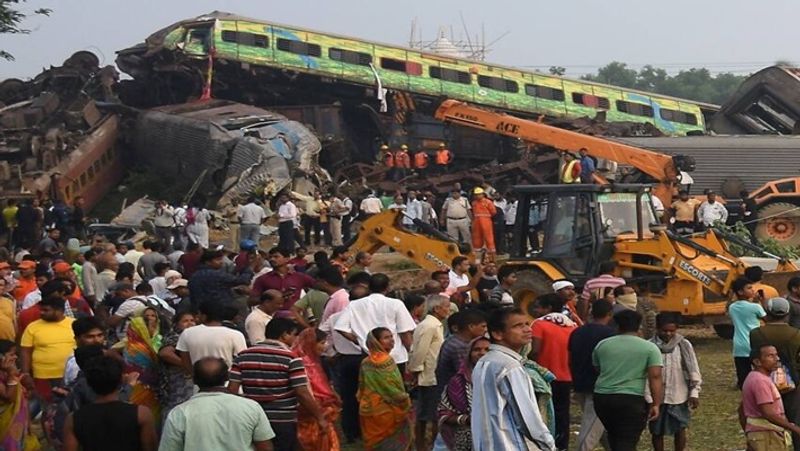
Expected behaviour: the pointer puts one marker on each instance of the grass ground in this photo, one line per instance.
(714, 426)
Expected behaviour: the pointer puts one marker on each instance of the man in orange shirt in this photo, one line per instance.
(420, 161)
(26, 282)
(402, 161)
(482, 228)
(763, 291)
(550, 348)
(443, 158)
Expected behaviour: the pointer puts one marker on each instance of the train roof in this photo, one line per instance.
(157, 38)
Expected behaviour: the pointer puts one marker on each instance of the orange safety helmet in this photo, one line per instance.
(421, 160)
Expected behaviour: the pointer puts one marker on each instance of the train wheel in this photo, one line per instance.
(781, 222)
(530, 284)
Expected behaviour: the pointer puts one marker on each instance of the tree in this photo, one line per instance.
(11, 18)
(557, 70)
(615, 73)
(695, 84)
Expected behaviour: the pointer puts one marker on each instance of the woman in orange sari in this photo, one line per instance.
(383, 404)
(309, 346)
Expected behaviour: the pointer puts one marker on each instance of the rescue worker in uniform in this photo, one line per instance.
(571, 170)
(402, 162)
(443, 158)
(421, 161)
(483, 210)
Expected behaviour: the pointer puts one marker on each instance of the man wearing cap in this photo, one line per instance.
(402, 161)
(456, 214)
(711, 211)
(179, 295)
(26, 281)
(129, 308)
(165, 277)
(566, 291)
(786, 339)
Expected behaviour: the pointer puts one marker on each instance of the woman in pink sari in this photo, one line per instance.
(309, 346)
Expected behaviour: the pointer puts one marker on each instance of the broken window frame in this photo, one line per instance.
(299, 47)
(396, 65)
(545, 92)
(350, 56)
(678, 116)
(636, 109)
(591, 101)
(245, 38)
(451, 75)
(498, 83)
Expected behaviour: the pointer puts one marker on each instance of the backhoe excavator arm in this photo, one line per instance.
(657, 165)
(432, 253)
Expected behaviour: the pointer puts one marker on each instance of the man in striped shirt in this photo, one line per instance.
(272, 375)
(596, 288)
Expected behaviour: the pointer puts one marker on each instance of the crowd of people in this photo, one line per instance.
(176, 344)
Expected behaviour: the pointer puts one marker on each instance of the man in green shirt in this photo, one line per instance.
(625, 362)
(309, 308)
(215, 419)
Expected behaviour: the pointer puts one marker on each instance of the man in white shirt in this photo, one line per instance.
(251, 216)
(256, 322)
(287, 218)
(164, 221)
(371, 205)
(348, 363)
(413, 211)
(377, 310)
(210, 339)
(711, 211)
(428, 339)
(455, 215)
(459, 279)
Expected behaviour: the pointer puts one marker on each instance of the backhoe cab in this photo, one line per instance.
(566, 231)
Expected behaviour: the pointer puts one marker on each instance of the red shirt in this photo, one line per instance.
(290, 285)
(554, 352)
(299, 264)
(189, 262)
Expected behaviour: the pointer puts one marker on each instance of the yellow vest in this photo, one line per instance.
(566, 173)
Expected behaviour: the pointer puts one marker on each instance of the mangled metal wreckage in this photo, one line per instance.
(236, 149)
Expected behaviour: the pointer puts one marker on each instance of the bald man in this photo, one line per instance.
(256, 322)
(215, 419)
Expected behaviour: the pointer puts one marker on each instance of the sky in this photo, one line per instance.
(739, 36)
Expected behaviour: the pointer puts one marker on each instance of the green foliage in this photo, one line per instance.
(11, 18)
(557, 70)
(769, 245)
(696, 83)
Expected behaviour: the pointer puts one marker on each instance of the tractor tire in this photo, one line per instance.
(724, 331)
(531, 283)
(782, 223)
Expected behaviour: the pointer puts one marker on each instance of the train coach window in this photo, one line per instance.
(453, 75)
(544, 92)
(350, 57)
(678, 116)
(590, 100)
(497, 83)
(408, 67)
(636, 109)
(299, 47)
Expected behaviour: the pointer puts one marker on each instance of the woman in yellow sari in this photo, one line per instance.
(14, 415)
(383, 404)
(140, 352)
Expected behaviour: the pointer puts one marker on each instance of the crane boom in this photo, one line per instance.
(657, 165)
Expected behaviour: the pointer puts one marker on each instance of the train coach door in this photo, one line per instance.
(198, 40)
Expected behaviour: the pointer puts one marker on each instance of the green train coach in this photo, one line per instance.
(360, 62)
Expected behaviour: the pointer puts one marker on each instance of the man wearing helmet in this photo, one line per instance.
(483, 210)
